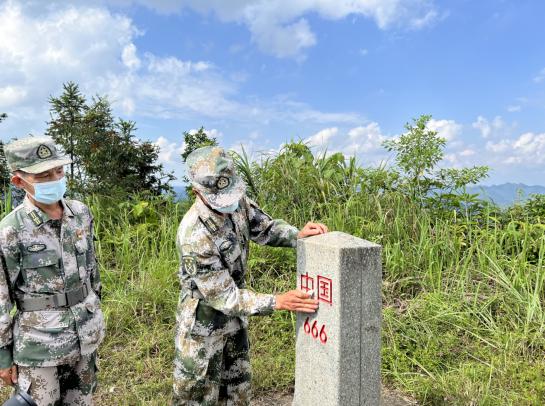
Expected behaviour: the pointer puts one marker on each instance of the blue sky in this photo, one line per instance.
(343, 75)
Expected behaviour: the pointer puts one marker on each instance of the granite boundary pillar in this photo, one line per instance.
(338, 347)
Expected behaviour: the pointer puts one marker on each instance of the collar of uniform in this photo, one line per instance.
(30, 207)
(67, 209)
(35, 213)
(213, 221)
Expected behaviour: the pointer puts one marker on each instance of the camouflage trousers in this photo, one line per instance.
(68, 384)
(212, 370)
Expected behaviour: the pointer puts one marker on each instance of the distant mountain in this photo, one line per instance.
(506, 194)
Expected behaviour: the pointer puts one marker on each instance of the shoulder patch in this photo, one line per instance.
(189, 265)
(210, 225)
(35, 247)
(36, 219)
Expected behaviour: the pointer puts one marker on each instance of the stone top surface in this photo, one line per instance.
(338, 239)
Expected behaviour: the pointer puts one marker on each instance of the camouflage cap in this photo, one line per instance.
(34, 155)
(212, 172)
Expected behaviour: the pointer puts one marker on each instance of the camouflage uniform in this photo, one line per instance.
(212, 361)
(42, 261)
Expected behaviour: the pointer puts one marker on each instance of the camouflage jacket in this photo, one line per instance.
(35, 262)
(213, 252)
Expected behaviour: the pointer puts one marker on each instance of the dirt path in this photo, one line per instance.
(389, 398)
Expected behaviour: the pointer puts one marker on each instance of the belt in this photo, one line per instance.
(59, 300)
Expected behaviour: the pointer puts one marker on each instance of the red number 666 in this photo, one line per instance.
(313, 330)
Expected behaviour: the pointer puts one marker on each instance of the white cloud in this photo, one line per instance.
(129, 57)
(467, 152)
(50, 45)
(11, 95)
(45, 50)
(167, 150)
(528, 149)
(540, 77)
(447, 129)
(213, 133)
(279, 27)
(322, 137)
(489, 128)
(365, 138)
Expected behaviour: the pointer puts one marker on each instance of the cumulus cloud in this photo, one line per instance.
(322, 137)
(212, 133)
(528, 149)
(279, 27)
(489, 128)
(38, 51)
(167, 150)
(448, 129)
(364, 138)
(363, 141)
(94, 47)
(129, 57)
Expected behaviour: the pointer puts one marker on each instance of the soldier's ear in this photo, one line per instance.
(20, 182)
(17, 181)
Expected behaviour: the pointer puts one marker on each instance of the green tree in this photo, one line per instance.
(66, 126)
(107, 156)
(3, 116)
(417, 152)
(194, 140)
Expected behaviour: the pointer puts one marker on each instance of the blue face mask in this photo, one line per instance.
(229, 209)
(49, 192)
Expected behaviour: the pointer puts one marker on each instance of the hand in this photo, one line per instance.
(9, 375)
(312, 229)
(296, 301)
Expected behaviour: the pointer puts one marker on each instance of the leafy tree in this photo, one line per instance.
(66, 126)
(107, 157)
(417, 152)
(3, 116)
(194, 140)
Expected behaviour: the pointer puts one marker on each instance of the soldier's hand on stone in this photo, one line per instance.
(296, 301)
(312, 229)
(9, 375)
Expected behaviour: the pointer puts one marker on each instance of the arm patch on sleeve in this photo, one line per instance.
(189, 265)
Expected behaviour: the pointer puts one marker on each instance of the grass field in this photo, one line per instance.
(463, 301)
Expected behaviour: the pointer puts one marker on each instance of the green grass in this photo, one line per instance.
(463, 301)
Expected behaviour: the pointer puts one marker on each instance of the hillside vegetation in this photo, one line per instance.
(463, 319)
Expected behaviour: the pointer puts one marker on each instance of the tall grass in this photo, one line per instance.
(463, 319)
(463, 314)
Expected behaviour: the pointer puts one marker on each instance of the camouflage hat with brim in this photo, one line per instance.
(34, 155)
(212, 172)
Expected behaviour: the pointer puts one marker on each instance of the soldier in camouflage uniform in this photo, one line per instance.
(48, 270)
(212, 363)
